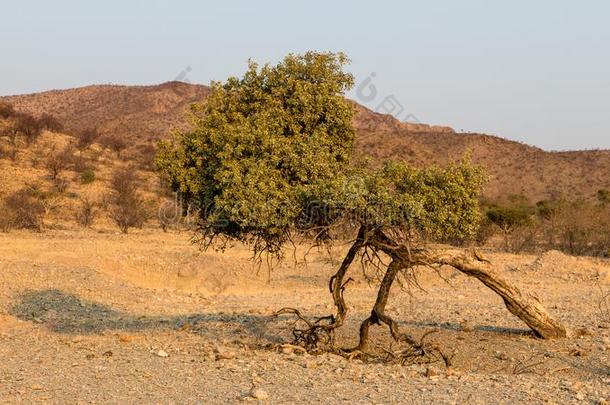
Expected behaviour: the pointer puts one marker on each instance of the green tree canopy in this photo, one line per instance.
(269, 154)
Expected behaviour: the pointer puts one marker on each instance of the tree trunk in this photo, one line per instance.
(336, 283)
(524, 306)
(378, 315)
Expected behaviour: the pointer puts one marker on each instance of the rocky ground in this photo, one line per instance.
(97, 317)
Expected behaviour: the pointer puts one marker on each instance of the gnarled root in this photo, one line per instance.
(416, 351)
(315, 336)
(318, 335)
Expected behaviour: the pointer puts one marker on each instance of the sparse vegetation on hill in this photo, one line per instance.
(50, 181)
(577, 227)
(125, 203)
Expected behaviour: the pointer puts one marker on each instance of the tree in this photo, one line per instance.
(58, 161)
(86, 138)
(28, 127)
(269, 157)
(25, 208)
(126, 206)
(50, 123)
(114, 142)
(6, 110)
(86, 212)
(507, 218)
(603, 196)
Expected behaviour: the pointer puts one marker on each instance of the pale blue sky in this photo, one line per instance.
(533, 71)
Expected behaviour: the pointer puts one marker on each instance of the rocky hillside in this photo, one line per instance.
(147, 113)
(140, 113)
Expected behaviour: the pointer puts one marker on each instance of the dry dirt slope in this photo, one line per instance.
(89, 317)
(144, 113)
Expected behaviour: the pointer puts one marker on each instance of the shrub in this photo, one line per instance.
(145, 156)
(26, 209)
(86, 138)
(61, 184)
(87, 176)
(50, 123)
(603, 196)
(114, 142)
(579, 227)
(86, 212)
(126, 206)
(8, 152)
(6, 110)
(509, 219)
(58, 161)
(28, 127)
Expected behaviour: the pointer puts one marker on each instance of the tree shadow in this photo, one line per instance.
(66, 313)
(456, 327)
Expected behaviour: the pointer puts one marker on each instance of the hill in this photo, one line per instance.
(147, 113)
(140, 113)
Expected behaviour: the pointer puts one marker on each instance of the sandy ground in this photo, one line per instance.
(98, 317)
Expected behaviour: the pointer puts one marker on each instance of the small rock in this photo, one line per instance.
(467, 326)
(162, 353)
(500, 356)
(576, 386)
(578, 352)
(432, 372)
(583, 332)
(225, 354)
(258, 393)
(125, 338)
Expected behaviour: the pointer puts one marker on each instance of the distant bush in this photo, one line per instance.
(86, 138)
(58, 161)
(61, 184)
(577, 227)
(25, 209)
(114, 142)
(20, 126)
(603, 196)
(8, 152)
(50, 123)
(144, 154)
(86, 212)
(508, 219)
(87, 176)
(28, 127)
(126, 206)
(6, 110)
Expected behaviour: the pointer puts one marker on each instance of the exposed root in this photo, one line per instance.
(419, 353)
(316, 336)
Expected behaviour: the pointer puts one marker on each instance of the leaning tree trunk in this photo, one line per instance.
(524, 306)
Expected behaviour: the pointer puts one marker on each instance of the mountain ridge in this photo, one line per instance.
(147, 113)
